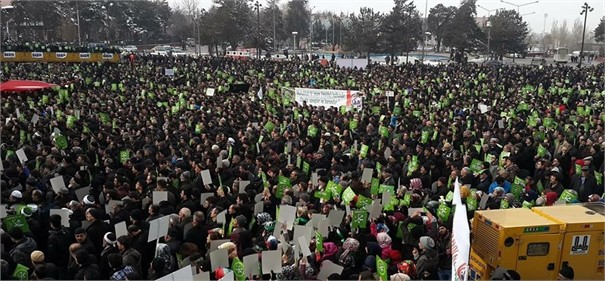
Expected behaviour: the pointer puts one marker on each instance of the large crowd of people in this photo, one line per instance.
(119, 133)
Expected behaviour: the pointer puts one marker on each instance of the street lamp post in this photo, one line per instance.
(488, 24)
(294, 33)
(78, 22)
(274, 37)
(257, 5)
(311, 33)
(544, 33)
(424, 27)
(585, 10)
(519, 6)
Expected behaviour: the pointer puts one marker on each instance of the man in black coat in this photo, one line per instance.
(585, 185)
(59, 239)
(97, 229)
(198, 231)
(109, 241)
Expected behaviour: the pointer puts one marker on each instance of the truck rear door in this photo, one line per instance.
(537, 258)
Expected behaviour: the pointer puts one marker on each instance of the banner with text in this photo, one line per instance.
(329, 98)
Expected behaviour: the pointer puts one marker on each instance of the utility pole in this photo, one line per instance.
(333, 30)
(424, 24)
(544, 33)
(311, 33)
(257, 5)
(78, 20)
(274, 37)
(585, 10)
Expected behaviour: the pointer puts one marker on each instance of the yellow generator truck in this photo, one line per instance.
(537, 242)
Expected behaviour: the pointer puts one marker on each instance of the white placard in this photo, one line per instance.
(21, 155)
(324, 227)
(121, 229)
(316, 218)
(169, 71)
(243, 185)
(210, 92)
(258, 207)
(57, 183)
(205, 196)
(367, 175)
(219, 258)
(82, 192)
(222, 217)
(303, 243)
(184, 273)
(35, 119)
(159, 196)
(389, 94)
(336, 216)
(164, 225)
(287, 215)
(328, 268)
(64, 216)
(251, 265)
(206, 178)
(271, 261)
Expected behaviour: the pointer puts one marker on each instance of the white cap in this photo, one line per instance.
(17, 194)
(231, 140)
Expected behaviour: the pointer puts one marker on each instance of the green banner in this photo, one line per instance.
(359, 219)
(283, 183)
(21, 272)
(61, 142)
(238, 269)
(16, 221)
(319, 241)
(381, 268)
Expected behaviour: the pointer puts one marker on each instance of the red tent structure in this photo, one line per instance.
(24, 85)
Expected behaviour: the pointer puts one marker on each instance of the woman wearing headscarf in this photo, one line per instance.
(329, 253)
(163, 251)
(346, 258)
(428, 260)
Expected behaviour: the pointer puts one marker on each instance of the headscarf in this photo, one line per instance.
(262, 218)
(163, 251)
(329, 249)
(415, 183)
(288, 273)
(350, 245)
(551, 198)
(383, 239)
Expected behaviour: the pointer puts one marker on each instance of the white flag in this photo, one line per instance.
(260, 93)
(461, 244)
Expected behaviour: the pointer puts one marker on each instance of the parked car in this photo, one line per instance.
(130, 48)
(493, 63)
(161, 50)
(176, 52)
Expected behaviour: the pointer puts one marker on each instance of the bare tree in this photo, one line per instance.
(576, 34)
(564, 34)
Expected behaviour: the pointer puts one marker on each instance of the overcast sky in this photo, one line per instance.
(556, 9)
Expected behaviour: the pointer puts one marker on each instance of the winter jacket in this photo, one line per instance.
(58, 246)
(22, 251)
(132, 257)
(427, 265)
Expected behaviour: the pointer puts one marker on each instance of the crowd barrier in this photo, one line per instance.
(11, 56)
